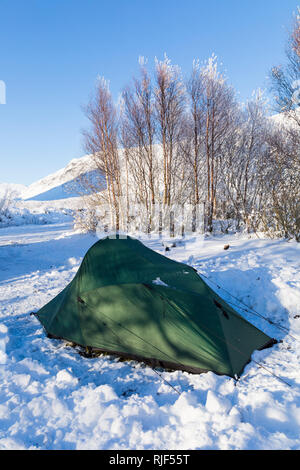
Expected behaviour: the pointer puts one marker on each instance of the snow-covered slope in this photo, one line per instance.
(62, 184)
(52, 197)
(283, 120)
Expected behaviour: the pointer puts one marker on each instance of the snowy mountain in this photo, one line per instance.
(51, 198)
(283, 120)
(62, 184)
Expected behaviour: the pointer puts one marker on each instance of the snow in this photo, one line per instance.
(70, 189)
(159, 282)
(51, 397)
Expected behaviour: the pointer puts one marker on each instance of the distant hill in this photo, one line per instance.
(64, 183)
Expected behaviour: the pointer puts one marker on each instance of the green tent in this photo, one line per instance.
(131, 301)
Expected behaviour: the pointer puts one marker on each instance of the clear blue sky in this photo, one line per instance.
(51, 52)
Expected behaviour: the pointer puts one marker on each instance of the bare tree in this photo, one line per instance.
(194, 140)
(101, 140)
(281, 211)
(218, 107)
(138, 131)
(245, 161)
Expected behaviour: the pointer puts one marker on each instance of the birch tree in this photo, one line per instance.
(138, 132)
(169, 112)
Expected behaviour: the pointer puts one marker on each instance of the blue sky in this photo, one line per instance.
(51, 52)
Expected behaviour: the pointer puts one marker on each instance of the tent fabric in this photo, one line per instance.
(129, 300)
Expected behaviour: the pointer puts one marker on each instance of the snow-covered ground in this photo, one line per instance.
(53, 398)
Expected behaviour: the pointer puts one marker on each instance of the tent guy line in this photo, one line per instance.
(249, 309)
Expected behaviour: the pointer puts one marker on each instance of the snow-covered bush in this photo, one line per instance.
(85, 220)
(14, 214)
(6, 201)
